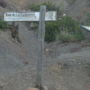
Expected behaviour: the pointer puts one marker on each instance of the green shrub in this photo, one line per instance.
(3, 24)
(69, 25)
(64, 30)
(51, 31)
(88, 19)
(66, 24)
(68, 37)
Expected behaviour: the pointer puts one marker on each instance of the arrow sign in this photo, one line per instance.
(29, 16)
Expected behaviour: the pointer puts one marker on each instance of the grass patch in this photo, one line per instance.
(3, 25)
(65, 30)
(67, 37)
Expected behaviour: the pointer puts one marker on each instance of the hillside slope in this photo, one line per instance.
(65, 67)
(78, 9)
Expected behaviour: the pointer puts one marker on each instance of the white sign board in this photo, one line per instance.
(86, 27)
(29, 16)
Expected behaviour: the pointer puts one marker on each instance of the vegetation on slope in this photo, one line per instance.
(3, 25)
(65, 29)
(88, 19)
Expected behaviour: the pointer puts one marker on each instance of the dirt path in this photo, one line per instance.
(65, 67)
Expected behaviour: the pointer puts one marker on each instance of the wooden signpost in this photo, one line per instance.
(41, 35)
(41, 16)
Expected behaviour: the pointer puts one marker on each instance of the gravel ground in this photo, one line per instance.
(65, 67)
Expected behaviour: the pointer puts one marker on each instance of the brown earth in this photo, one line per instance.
(65, 67)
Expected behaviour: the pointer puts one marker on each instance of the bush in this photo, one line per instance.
(64, 30)
(56, 30)
(88, 19)
(51, 31)
(69, 25)
(3, 24)
(67, 37)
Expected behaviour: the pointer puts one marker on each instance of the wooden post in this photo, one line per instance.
(41, 36)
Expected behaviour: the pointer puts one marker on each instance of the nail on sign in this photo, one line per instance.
(30, 16)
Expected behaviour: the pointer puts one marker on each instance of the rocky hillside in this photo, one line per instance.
(66, 66)
(78, 9)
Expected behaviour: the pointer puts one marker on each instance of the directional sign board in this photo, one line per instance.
(29, 16)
